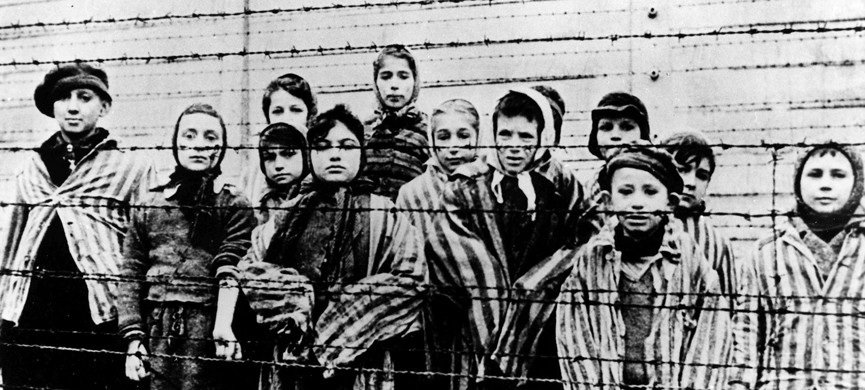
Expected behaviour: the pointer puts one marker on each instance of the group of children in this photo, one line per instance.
(394, 253)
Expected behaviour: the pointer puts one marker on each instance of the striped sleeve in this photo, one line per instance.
(746, 326)
(532, 304)
(468, 243)
(381, 306)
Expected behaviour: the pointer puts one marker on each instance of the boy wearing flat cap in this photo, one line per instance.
(642, 308)
(61, 251)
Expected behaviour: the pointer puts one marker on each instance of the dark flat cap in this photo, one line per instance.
(63, 79)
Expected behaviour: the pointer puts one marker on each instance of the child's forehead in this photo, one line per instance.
(635, 176)
(392, 61)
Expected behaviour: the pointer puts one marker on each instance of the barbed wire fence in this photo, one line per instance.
(765, 79)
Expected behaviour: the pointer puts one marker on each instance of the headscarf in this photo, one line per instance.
(408, 116)
(618, 104)
(322, 125)
(821, 222)
(547, 140)
(195, 190)
(455, 106)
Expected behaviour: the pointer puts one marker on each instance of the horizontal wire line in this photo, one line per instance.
(453, 44)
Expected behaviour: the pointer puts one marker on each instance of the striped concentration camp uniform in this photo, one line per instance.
(688, 342)
(716, 247)
(797, 326)
(370, 294)
(93, 204)
(475, 258)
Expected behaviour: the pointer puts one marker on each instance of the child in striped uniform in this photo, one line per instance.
(798, 321)
(287, 99)
(455, 127)
(619, 119)
(696, 163)
(357, 269)
(396, 137)
(178, 252)
(642, 307)
(62, 255)
(503, 217)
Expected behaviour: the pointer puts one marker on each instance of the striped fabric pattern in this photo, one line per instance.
(470, 253)
(793, 328)
(420, 199)
(108, 181)
(382, 306)
(717, 249)
(690, 330)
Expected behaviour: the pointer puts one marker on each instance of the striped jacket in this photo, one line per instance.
(796, 327)
(717, 249)
(94, 207)
(470, 251)
(383, 304)
(689, 340)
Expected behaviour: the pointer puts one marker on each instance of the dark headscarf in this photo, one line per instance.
(195, 190)
(829, 224)
(618, 104)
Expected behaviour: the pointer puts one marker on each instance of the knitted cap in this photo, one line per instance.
(61, 80)
(646, 158)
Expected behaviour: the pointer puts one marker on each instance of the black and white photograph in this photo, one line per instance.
(432, 194)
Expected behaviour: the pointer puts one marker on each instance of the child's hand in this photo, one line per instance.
(227, 346)
(136, 354)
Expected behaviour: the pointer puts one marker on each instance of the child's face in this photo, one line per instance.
(454, 140)
(637, 193)
(395, 82)
(696, 176)
(287, 108)
(79, 111)
(282, 165)
(199, 141)
(336, 157)
(616, 131)
(516, 142)
(827, 181)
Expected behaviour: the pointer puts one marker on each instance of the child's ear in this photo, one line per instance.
(604, 197)
(674, 200)
(106, 108)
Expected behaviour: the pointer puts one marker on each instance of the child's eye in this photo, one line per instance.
(625, 191)
(839, 174)
(605, 126)
(321, 146)
(703, 175)
(297, 110)
(651, 191)
(815, 173)
(385, 75)
(268, 156)
(626, 126)
(404, 75)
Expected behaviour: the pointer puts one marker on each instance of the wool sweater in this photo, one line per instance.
(162, 265)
